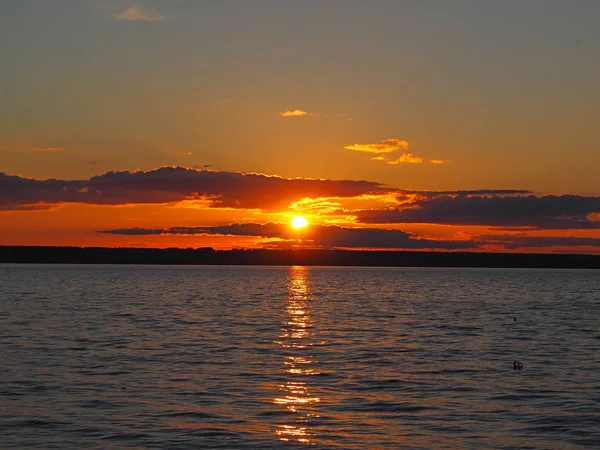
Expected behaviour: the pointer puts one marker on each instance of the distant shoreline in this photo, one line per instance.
(366, 258)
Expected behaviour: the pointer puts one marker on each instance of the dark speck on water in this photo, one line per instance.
(293, 357)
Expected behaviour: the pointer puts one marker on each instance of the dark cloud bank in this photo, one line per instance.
(549, 212)
(172, 184)
(331, 236)
(502, 208)
(327, 236)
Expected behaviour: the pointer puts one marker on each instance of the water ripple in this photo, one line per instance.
(246, 358)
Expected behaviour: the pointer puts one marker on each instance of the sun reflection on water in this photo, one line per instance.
(295, 339)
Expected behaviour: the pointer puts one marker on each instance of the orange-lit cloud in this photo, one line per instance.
(296, 113)
(137, 13)
(406, 158)
(385, 146)
(439, 161)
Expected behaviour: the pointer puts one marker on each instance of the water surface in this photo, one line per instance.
(256, 357)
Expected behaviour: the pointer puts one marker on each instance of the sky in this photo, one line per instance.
(467, 125)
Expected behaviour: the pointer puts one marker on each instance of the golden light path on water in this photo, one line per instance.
(299, 364)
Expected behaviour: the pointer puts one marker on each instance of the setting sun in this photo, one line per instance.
(299, 222)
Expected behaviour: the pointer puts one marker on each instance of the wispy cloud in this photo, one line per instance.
(385, 146)
(406, 158)
(96, 162)
(209, 167)
(296, 113)
(137, 13)
(383, 149)
(46, 149)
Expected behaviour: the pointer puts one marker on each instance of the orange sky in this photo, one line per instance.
(179, 207)
(471, 134)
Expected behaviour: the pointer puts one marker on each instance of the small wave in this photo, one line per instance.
(37, 423)
(383, 406)
(188, 415)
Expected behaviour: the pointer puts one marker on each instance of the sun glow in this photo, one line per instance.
(299, 222)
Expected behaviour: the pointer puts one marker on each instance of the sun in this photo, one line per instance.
(299, 222)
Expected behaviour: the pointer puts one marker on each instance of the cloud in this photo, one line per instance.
(46, 149)
(560, 241)
(202, 166)
(137, 13)
(296, 113)
(467, 192)
(325, 236)
(27, 207)
(174, 184)
(506, 208)
(331, 236)
(385, 146)
(96, 162)
(406, 158)
(439, 161)
(549, 212)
